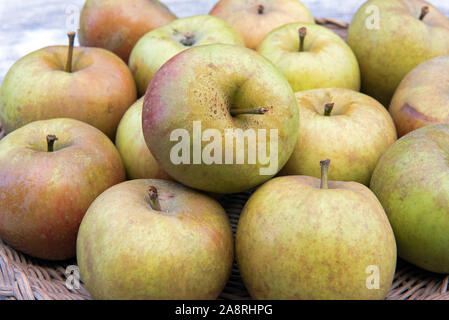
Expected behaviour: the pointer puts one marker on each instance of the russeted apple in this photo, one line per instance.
(220, 118)
(157, 47)
(422, 97)
(302, 238)
(311, 57)
(391, 37)
(156, 240)
(117, 25)
(412, 183)
(50, 172)
(87, 84)
(255, 19)
(351, 128)
(137, 158)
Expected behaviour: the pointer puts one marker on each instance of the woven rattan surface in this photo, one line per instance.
(26, 278)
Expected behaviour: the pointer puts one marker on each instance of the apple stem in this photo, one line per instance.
(324, 173)
(424, 11)
(302, 37)
(189, 40)
(260, 9)
(51, 139)
(328, 109)
(154, 199)
(71, 36)
(236, 112)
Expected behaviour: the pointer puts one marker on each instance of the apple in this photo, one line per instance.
(255, 19)
(50, 172)
(157, 47)
(411, 181)
(117, 25)
(304, 238)
(421, 99)
(352, 129)
(391, 37)
(155, 240)
(220, 118)
(137, 158)
(312, 57)
(87, 84)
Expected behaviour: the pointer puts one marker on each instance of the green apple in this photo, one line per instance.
(50, 173)
(137, 158)
(155, 239)
(352, 129)
(421, 99)
(391, 37)
(412, 183)
(220, 118)
(255, 19)
(302, 238)
(312, 57)
(160, 45)
(117, 25)
(87, 84)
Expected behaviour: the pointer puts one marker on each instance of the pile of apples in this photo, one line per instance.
(327, 223)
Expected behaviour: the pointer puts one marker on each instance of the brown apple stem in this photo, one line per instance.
(236, 112)
(302, 37)
(260, 9)
(68, 67)
(324, 173)
(154, 199)
(328, 109)
(51, 139)
(424, 11)
(189, 39)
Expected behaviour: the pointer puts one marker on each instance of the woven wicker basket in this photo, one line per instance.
(23, 277)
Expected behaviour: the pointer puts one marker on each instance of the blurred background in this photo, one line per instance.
(28, 25)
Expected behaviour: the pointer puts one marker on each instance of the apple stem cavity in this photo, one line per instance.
(324, 173)
(154, 199)
(68, 67)
(51, 139)
(302, 37)
(189, 40)
(328, 109)
(424, 11)
(237, 112)
(260, 9)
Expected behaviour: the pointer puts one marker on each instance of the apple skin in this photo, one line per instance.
(44, 195)
(206, 80)
(157, 47)
(117, 25)
(411, 181)
(384, 54)
(98, 91)
(244, 16)
(421, 98)
(137, 158)
(296, 241)
(326, 62)
(127, 250)
(357, 133)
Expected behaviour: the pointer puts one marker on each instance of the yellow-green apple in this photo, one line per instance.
(137, 158)
(220, 118)
(255, 19)
(157, 47)
(422, 97)
(411, 181)
(351, 128)
(88, 84)
(308, 54)
(50, 172)
(117, 25)
(302, 238)
(391, 37)
(157, 240)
